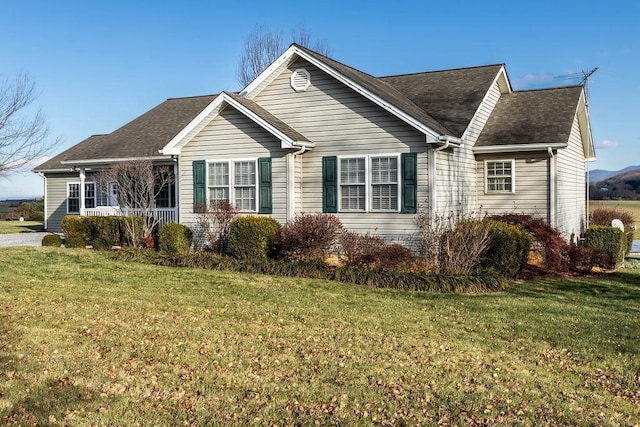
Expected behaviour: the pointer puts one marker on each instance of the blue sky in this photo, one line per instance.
(99, 64)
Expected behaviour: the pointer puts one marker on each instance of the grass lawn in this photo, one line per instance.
(85, 340)
(11, 227)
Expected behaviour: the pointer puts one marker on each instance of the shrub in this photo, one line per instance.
(76, 228)
(359, 249)
(461, 247)
(366, 250)
(603, 215)
(585, 258)
(308, 236)
(508, 248)
(75, 241)
(214, 223)
(52, 240)
(546, 241)
(252, 236)
(313, 269)
(175, 238)
(99, 231)
(612, 239)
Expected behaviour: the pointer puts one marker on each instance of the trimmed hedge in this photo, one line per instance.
(175, 238)
(611, 239)
(52, 240)
(101, 232)
(252, 236)
(487, 281)
(508, 249)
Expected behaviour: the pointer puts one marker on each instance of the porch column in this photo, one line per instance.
(176, 188)
(82, 178)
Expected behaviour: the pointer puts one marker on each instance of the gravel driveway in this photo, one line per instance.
(22, 239)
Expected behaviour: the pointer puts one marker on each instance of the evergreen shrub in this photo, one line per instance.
(612, 239)
(508, 248)
(175, 238)
(252, 236)
(52, 240)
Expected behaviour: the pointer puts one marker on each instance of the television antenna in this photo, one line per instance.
(584, 80)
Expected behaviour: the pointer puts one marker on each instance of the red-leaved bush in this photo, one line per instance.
(366, 250)
(308, 236)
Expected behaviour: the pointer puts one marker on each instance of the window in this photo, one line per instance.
(73, 198)
(384, 183)
(352, 184)
(113, 193)
(369, 183)
(499, 176)
(89, 195)
(233, 181)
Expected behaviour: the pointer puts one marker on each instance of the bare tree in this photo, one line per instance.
(263, 46)
(24, 137)
(138, 184)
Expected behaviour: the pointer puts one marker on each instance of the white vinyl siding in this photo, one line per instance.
(531, 189)
(499, 176)
(571, 186)
(56, 200)
(343, 123)
(232, 137)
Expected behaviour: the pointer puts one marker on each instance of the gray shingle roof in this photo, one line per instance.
(450, 96)
(383, 90)
(268, 117)
(532, 117)
(142, 137)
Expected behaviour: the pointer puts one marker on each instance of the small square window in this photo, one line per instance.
(499, 176)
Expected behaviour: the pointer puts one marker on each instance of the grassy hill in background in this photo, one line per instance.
(624, 186)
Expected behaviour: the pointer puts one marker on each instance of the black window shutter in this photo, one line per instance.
(199, 186)
(409, 183)
(330, 184)
(264, 185)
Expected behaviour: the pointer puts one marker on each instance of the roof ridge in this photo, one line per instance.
(336, 61)
(441, 71)
(192, 96)
(548, 88)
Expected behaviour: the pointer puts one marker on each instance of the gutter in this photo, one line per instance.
(107, 161)
(515, 148)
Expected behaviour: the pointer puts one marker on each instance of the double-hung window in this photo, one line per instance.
(369, 183)
(73, 196)
(352, 184)
(233, 181)
(499, 176)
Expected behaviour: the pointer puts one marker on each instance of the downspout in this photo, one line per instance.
(176, 190)
(552, 188)
(587, 213)
(291, 185)
(82, 178)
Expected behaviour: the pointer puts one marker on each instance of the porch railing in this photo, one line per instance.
(164, 215)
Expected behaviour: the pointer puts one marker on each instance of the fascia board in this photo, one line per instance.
(518, 148)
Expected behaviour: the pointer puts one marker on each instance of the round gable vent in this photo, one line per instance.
(300, 80)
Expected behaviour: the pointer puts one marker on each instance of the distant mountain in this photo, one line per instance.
(601, 174)
(624, 185)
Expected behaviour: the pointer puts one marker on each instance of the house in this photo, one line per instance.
(311, 134)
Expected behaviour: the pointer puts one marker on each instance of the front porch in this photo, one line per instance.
(163, 215)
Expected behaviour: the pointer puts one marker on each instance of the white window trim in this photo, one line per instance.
(69, 184)
(513, 176)
(231, 185)
(368, 186)
(95, 194)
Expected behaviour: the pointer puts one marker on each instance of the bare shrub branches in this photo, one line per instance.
(214, 222)
(139, 183)
(23, 138)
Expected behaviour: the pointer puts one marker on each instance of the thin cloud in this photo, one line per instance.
(607, 144)
(534, 80)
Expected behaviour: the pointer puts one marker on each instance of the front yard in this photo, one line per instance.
(85, 340)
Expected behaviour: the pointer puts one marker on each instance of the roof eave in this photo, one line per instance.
(519, 148)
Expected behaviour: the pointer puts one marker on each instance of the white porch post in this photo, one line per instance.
(82, 178)
(176, 187)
